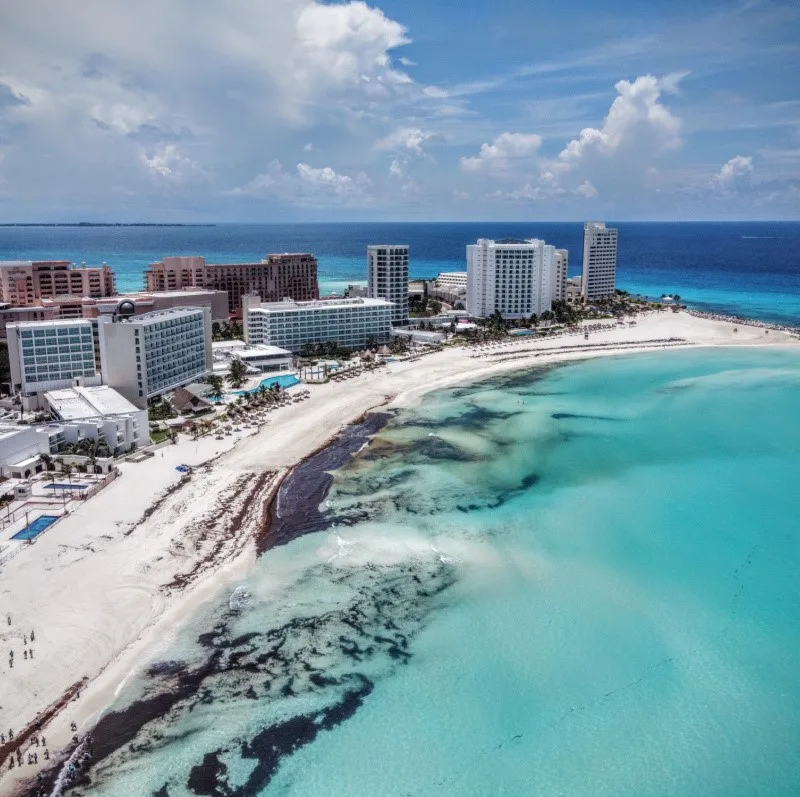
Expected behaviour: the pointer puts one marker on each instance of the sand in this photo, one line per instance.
(106, 588)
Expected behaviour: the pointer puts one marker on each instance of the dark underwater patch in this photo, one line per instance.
(295, 508)
(320, 656)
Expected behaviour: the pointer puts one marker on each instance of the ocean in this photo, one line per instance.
(743, 268)
(575, 580)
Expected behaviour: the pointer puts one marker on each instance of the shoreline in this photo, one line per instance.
(294, 435)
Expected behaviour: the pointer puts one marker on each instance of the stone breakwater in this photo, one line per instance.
(748, 322)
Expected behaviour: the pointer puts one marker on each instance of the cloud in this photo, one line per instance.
(736, 168)
(637, 121)
(396, 169)
(408, 139)
(308, 186)
(406, 61)
(733, 175)
(169, 163)
(129, 80)
(506, 147)
(586, 189)
(308, 147)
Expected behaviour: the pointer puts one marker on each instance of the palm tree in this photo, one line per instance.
(217, 385)
(66, 469)
(238, 373)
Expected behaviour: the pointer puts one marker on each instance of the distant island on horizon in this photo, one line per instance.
(105, 224)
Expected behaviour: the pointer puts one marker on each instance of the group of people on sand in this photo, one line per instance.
(27, 652)
(33, 755)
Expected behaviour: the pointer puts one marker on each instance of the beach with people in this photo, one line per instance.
(98, 595)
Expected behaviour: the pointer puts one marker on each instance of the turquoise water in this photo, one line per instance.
(570, 581)
(36, 528)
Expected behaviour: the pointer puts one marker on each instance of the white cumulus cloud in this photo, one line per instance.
(408, 139)
(637, 122)
(168, 162)
(736, 168)
(308, 186)
(507, 147)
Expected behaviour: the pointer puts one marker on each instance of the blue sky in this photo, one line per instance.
(270, 110)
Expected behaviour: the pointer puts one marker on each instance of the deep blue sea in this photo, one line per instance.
(745, 268)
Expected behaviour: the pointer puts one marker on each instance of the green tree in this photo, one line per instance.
(238, 373)
(217, 385)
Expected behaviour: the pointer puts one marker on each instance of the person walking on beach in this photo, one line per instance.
(33, 638)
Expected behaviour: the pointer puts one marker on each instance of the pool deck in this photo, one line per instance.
(53, 499)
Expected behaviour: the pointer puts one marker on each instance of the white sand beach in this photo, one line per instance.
(105, 588)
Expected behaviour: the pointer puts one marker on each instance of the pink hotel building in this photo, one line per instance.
(276, 277)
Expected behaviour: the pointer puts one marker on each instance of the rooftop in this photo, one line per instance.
(57, 322)
(76, 403)
(10, 431)
(289, 305)
(160, 315)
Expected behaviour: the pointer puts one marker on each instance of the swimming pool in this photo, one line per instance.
(59, 486)
(35, 528)
(284, 380)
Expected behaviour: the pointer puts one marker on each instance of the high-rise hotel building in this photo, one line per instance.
(560, 274)
(510, 276)
(275, 278)
(387, 278)
(599, 261)
(147, 355)
(50, 355)
(24, 283)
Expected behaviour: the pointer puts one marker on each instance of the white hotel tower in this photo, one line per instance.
(387, 278)
(599, 261)
(510, 276)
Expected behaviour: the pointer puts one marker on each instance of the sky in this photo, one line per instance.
(290, 110)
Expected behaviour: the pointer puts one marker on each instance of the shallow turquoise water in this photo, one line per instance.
(574, 581)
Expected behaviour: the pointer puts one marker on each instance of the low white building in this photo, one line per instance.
(575, 290)
(420, 337)
(48, 355)
(350, 323)
(258, 358)
(454, 281)
(148, 355)
(21, 448)
(99, 414)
